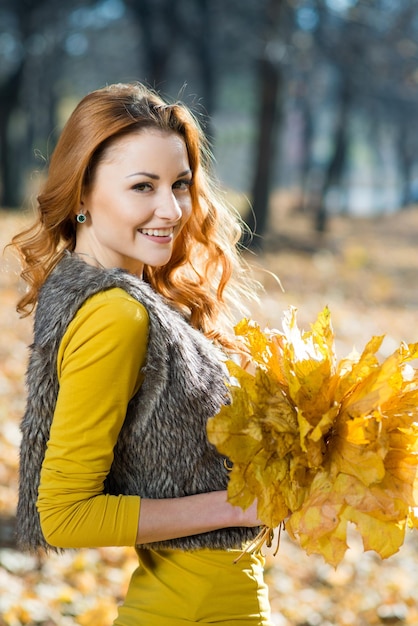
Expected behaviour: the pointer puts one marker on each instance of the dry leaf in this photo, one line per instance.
(323, 443)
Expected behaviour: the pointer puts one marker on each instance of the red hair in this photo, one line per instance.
(205, 274)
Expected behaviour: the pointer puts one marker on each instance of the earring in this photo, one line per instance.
(80, 217)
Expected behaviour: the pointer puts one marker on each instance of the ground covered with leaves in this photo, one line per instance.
(366, 272)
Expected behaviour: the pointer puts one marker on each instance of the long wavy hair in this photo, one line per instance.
(206, 277)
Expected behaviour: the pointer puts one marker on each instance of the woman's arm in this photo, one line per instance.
(190, 515)
(99, 361)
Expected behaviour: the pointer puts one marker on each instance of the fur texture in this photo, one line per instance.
(162, 450)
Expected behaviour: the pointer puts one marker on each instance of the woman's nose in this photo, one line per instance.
(168, 206)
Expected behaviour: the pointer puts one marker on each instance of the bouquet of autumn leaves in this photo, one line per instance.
(322, 443)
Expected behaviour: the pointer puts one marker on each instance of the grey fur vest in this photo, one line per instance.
(162, 450)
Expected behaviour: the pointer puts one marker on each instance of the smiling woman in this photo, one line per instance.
(133, 268)
(137, 203)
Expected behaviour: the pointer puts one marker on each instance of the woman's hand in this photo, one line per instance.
(248, 517)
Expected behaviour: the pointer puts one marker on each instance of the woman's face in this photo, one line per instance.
(138, 202)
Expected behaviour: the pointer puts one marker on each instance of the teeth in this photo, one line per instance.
(161, 232)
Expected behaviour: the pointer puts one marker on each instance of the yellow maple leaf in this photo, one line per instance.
(355, 368)
(381, 535)
(239, 492)
(358, 461)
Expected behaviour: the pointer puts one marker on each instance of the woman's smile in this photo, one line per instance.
(159, 235)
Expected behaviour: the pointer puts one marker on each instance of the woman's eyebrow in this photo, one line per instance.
(148, 174)
(155, 176)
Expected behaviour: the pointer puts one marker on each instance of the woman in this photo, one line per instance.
(131, 265)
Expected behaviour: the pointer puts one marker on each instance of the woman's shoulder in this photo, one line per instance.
(114, 305)
(113, 298)
(110, 318)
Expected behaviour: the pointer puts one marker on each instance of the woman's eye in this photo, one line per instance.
(142, 187)
(183, 185)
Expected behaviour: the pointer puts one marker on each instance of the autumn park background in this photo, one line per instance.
(311, 109)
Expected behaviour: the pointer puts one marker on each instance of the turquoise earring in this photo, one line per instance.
(80, 217)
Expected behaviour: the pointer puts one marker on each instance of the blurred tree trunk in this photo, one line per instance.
(9, 100)
(304, 106)
(205, 56)
(202, 43)
(270, 81)
(161, 28)
(407, 159)
(337, 161)
(11, 173)
(157, 21)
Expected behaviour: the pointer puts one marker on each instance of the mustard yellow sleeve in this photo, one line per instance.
(98, 365)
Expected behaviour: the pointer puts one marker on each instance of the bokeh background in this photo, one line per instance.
(311, 110)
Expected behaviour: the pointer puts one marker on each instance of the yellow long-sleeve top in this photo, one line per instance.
(98, 367)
